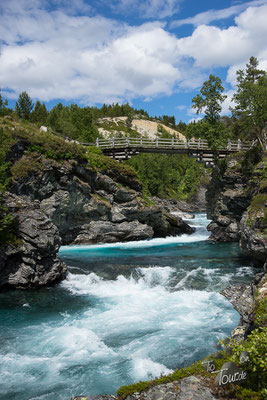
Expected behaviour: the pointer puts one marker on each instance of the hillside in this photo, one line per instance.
(55, 192)
(116, 126)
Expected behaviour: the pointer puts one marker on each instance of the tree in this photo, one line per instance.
(39, 113)
(24, 106)
(3, 104)
(211, 99)
(251, 101)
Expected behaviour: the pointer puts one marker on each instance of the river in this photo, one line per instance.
(126, 312)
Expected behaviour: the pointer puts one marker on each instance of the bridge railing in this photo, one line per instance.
(169, 143)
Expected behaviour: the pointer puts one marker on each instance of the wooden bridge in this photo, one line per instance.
(125, 148)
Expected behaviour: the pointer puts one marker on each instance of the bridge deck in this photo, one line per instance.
(123, 148)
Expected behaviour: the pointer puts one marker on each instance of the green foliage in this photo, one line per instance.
(168, 176)
(216, 133)
(164, 133)
(25, 165)
(24, 106)
(210, 99)
(168, 120)
(256, 346)
(250, 159)
(261, 313)
(251, 101)
(257, 212)
(3, 105)
(6, 220)
(193, 369)
(74, 122)
(39, 114)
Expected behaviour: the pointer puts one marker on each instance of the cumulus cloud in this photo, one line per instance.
(56, 54)
(211, 46)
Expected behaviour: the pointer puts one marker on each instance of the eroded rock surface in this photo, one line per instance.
(90, 207)
(228, 198)
(32, 261)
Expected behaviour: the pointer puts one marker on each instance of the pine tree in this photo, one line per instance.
(3, 104)
(24, 106)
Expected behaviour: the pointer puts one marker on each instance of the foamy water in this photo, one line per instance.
(126, 312)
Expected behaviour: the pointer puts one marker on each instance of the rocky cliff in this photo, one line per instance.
(62, 193)
(237, 203)
(32, 260)
(91, 207)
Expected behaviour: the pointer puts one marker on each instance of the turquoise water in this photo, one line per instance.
(126, 312)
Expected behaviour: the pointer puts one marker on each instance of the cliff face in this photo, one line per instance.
(85, 199)
(237, 205)
(32, 261)
(90, 207)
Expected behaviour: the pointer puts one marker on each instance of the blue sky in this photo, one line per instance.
(154, 54)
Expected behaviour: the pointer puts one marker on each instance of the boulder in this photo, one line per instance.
(32, 261)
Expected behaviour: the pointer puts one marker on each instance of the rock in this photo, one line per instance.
(43, 129)
(108, 232)
(33, 260)
(100, 397)
(227, 200)
(124, 196)
(183, 215)
(242, 299)
(87, 206)
(253, 240)
(190, 388)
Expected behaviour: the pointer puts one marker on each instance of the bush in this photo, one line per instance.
(256, 346)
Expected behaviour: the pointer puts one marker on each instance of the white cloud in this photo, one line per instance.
(55, 54)
(214, 15)
(93, 59)
(181, 107)
(212, 47)
(196, 119)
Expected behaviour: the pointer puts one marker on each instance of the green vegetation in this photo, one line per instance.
(210, 100)
(6, 220)
(3, 105)
(194, 369)
(168, 175)
(51, 146)
(24, 106)
(25, 165)
(251, 101)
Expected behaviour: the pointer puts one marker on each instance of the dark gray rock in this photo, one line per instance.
(109, 232)
(227, 199)
(33, 260)
(124, 196)
(253, 240)
(242, 299)
(88, 207)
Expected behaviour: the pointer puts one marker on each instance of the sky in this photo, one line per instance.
(153, 54)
